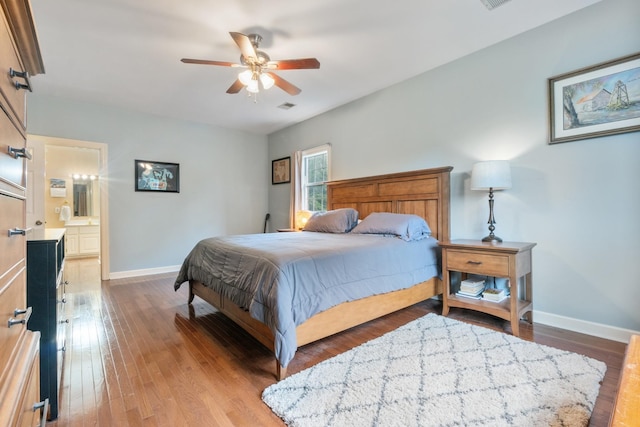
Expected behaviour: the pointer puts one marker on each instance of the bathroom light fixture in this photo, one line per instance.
(84, 176)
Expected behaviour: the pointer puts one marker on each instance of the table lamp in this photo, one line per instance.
(491, 175)
(301, 218)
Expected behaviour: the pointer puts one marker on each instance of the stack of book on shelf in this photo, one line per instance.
(471, 288)
(494, 295)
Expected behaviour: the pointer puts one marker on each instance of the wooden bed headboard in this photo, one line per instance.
(423, 192)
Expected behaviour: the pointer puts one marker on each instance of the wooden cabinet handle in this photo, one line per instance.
(474, 262)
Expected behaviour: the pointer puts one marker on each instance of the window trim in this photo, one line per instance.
(311, 152)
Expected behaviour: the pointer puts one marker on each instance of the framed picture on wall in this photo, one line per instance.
(281, 170)
(58, 187)
(157, 176)
(600, 100)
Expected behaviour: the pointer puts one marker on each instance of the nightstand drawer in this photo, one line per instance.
(478, 263)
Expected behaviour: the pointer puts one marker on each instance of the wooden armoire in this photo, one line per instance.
(20, 59)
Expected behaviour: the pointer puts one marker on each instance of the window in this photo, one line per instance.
(315, 172)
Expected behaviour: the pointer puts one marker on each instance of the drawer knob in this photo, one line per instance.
(474, 262)
(15, 321)
(21, 75)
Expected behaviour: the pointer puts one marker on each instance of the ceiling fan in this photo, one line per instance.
(259, 66)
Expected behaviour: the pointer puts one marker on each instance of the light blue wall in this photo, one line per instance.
(224, 178)
(580, 201)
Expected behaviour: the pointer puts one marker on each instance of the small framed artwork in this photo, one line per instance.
(157, 176)
(596, 101)
(281, 170)
(58, 187)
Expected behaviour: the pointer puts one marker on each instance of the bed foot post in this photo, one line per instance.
(281, 371)
(191, 294)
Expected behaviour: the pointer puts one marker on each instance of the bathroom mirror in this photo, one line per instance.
(84, 197)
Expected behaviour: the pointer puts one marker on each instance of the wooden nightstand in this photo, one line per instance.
(511, 260)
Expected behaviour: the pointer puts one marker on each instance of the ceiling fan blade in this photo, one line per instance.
(235, 87)
(285, 85)
(294, 64)
(207, 62)
(243, 42)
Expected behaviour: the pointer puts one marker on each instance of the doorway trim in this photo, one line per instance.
(104, 190)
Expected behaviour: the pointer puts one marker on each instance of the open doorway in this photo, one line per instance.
(68, 188)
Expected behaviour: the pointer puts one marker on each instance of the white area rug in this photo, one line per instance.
(437, 371)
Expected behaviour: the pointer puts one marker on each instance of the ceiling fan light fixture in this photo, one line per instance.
(255, 61)
(266, 80)
(262, 58)
(245, 77)
(252, 87)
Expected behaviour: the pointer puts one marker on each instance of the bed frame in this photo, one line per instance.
(423, 192)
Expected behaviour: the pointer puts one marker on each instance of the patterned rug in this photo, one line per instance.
(437, 371)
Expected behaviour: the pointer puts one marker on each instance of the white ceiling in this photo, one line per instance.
(126, 53)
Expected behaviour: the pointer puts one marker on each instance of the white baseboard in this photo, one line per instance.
(584, 327)
(144, 272)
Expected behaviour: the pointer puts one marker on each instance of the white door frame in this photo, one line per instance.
(104, 190)
(35, 186)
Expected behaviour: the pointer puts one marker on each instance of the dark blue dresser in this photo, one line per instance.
(46, 295)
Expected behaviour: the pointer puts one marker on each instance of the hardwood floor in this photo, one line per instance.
(138, 355)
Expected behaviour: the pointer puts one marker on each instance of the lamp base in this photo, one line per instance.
(492, 238)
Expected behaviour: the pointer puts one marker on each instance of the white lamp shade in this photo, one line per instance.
(495, 174)
(245, 77)
(266, 80)
(252, 87)
(301, 218)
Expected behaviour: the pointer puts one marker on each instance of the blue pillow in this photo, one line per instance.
(408, 227)
(334, 221)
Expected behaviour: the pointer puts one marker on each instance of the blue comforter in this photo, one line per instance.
(283, 279)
